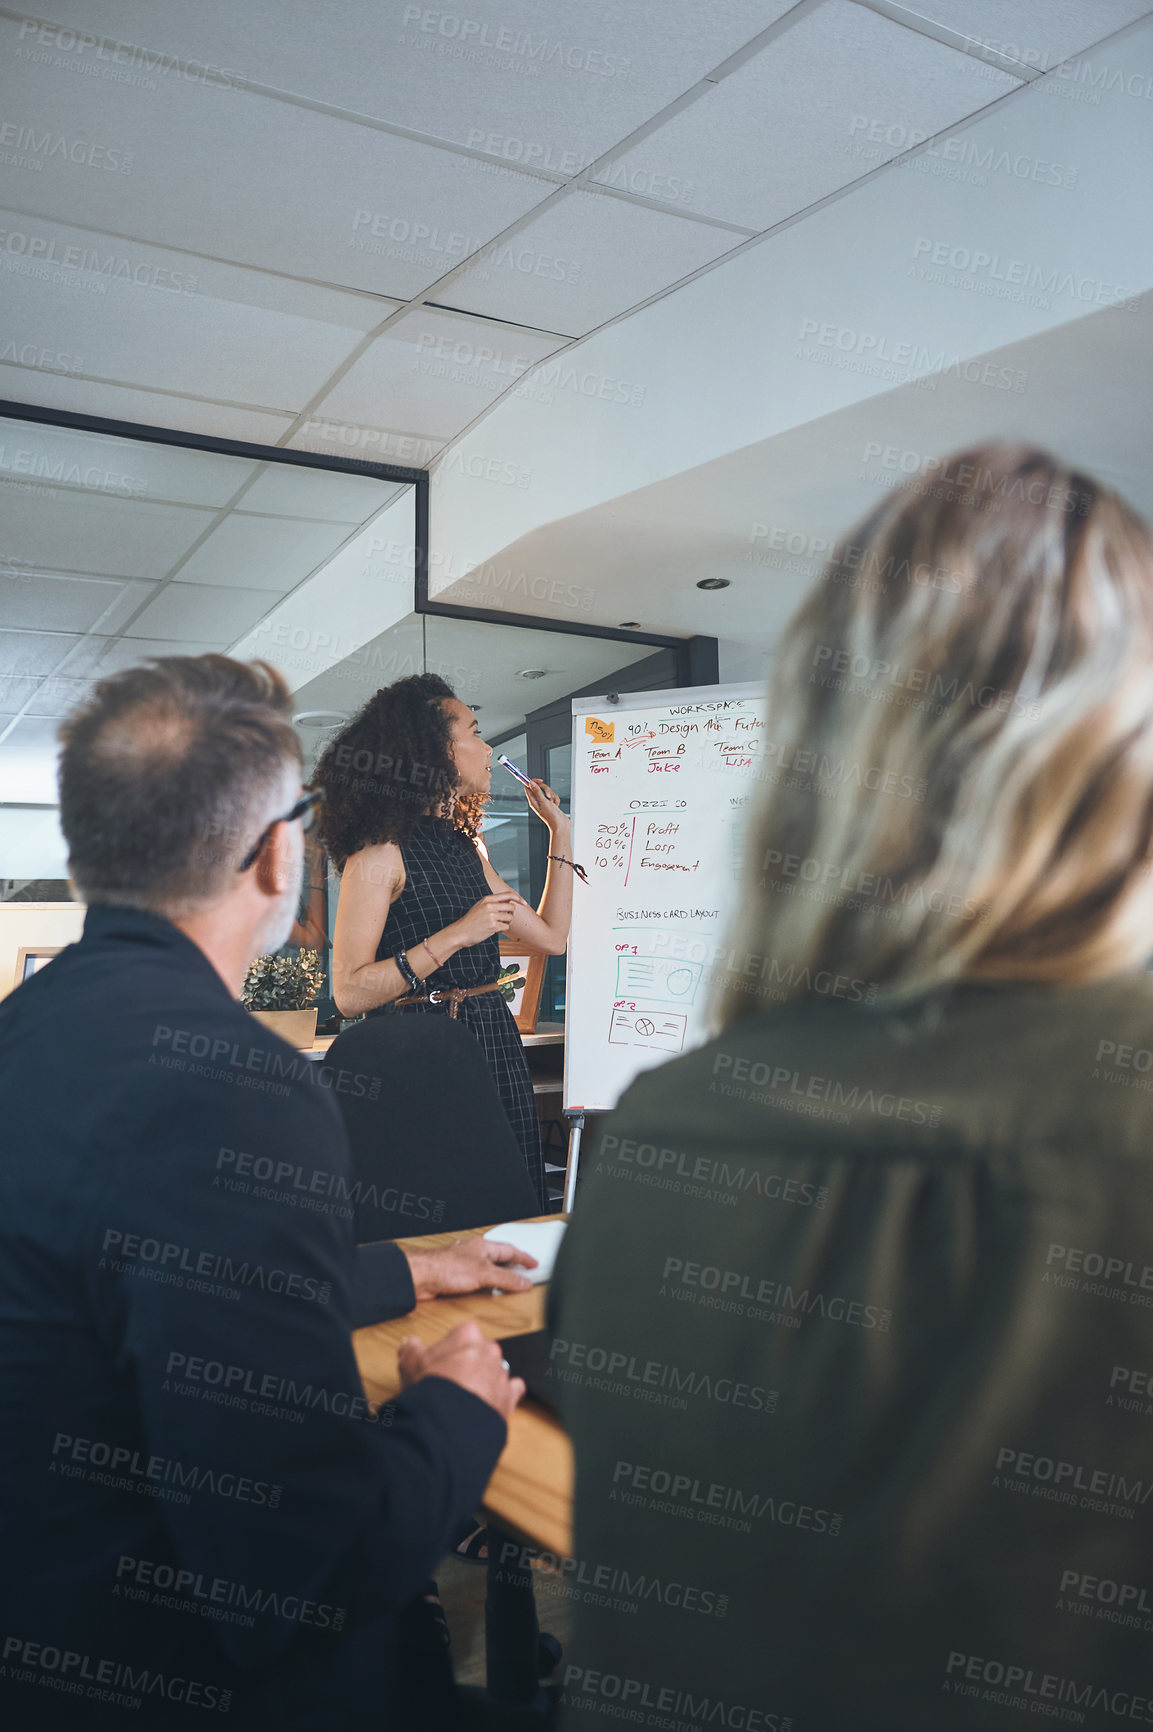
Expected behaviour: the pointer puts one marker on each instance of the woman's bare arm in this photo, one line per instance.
(369, 885)
(546, 927)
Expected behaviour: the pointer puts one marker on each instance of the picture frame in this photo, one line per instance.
(30, 958)
(526, 1000)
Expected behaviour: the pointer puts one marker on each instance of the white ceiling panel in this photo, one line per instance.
(326, 495)
(15, 692)
(148, 408)
(40, 652)
(585, 259)
(365, 588)
(148, 316)
(273, 553)
(549, 84)
(319, 197)
(327, 437)
(1039, 32)
(432, 373)
(67, 603)
(128, 652)
(77, 530)
(798, 108)
(127, 467)
(59, 694)
(201, 611)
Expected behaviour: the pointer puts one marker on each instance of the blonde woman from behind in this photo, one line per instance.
(861, 1414)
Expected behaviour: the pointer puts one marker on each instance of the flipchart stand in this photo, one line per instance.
(576, 1126)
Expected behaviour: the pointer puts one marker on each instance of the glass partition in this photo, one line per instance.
(115, 547)
(120, 543)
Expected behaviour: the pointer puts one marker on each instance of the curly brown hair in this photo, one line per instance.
(390, 767)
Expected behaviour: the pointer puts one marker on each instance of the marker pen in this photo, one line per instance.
(521, 777)
(513, 771)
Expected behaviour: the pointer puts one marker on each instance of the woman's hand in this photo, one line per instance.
(546, 804)
(491, 914)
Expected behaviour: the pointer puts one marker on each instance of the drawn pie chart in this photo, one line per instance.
(644, 1026)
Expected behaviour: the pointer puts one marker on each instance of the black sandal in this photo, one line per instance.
(474, 1549)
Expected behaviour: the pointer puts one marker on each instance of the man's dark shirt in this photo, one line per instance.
(198, 1497)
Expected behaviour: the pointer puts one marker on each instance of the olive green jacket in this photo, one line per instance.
(854, 1337)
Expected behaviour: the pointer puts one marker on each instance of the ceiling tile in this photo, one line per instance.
(320, 197)
(433, 372)
(129, 652)
(201, 612)
(800, 109)
(15, 691)
(585, 259)
(45, 652)
(176, 474)
(1039, 32)
(326, 495)
(83, 305)
(327, 437)
(272, 553)
(67, 604)
(76, 530)
(566, 82)
(368, 584)
(59, 694)
(149, 408)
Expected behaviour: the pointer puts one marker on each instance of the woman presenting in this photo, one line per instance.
(421, 909)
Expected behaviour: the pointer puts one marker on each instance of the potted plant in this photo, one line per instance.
(280, 992)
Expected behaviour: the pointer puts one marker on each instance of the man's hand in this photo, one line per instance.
(468, 1265)
(464, 1357)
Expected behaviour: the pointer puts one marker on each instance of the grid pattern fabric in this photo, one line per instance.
(443, 878)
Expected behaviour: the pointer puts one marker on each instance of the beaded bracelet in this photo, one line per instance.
(579, 870)
(406, 968)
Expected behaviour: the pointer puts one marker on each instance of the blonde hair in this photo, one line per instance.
(959, 745)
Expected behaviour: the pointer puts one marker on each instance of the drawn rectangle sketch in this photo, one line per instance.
(658, 979)
(664, 1032)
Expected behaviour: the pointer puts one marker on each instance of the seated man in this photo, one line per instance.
(387, 1281)
(207, 1513)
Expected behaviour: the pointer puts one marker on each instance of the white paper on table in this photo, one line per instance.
(541, 1239)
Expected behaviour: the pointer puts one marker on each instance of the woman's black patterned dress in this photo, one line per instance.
(443, 878)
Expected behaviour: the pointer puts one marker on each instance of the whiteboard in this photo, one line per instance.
(661, 787)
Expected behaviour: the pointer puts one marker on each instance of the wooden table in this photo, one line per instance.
(531, 1488)
(545, 1034)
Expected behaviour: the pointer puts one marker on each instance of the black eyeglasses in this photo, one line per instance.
(305, 810)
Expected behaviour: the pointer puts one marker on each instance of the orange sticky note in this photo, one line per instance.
(598, 729)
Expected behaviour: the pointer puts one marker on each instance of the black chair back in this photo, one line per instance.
(432, 1148)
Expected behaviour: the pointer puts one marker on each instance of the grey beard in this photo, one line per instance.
(281, 924)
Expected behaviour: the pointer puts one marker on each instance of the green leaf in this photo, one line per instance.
(283, 982)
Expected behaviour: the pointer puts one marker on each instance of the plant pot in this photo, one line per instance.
(297, 1027)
